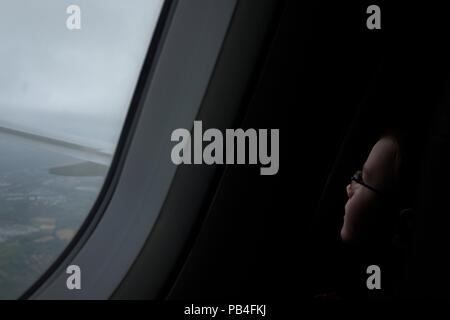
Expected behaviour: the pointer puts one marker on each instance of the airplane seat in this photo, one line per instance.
(429, 263)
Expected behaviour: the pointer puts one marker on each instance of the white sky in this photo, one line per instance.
(77, 83)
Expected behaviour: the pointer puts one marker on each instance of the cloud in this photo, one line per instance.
(90, 73)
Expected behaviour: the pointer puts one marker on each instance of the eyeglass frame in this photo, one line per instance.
(359, 181)
(384, 196)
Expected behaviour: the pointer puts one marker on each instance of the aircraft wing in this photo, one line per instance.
(86, 161)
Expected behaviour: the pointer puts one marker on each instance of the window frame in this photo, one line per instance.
(168, 96)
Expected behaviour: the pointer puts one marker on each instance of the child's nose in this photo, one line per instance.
(349, 190)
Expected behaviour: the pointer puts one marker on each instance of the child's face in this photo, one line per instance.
(361, 214)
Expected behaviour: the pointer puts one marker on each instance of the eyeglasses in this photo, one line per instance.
(358, 179)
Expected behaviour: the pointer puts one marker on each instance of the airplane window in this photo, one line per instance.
(69, 70)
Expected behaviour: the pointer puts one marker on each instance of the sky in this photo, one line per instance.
(72, 85)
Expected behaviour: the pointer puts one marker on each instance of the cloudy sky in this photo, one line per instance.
(72, 84)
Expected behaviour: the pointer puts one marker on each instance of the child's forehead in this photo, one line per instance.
(382, 158)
